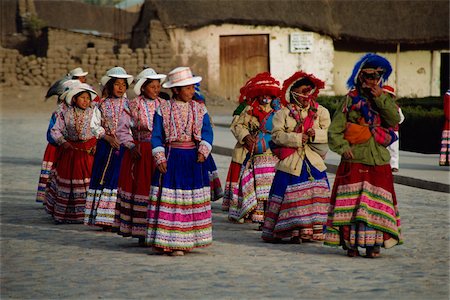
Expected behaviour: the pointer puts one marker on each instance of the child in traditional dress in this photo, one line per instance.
(69, 183)
(253, 132)
(102, 195)
(134, 133)
(300, 193)
(239, 153)
(179, 215)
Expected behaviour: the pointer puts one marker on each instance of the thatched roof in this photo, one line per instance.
(72, 15)
(376, 21)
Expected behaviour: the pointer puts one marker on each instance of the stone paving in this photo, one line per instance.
(40, 260)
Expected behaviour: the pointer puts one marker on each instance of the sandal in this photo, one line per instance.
(352, 252)
(177, 253)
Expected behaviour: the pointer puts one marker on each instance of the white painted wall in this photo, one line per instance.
(191, 46)
(414, 74)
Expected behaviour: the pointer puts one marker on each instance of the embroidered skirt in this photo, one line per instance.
(298, 205)
(444, 158)
(133, 192)
(232, 180)
(179, 212)
(69, 183)
(102, 195)
(250, 195)
(214, 180)
(363, 208)
(47, 165)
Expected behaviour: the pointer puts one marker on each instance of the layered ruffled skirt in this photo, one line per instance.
(69, 183)
(102, 195)
(133, 192)
(47, 165)
(298, 205)
(363, 208)
(179, 215)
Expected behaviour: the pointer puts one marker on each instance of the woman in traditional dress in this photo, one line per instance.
(238, 154)
(134, 133)
(179, 213)
(102, 195)
(69, 183)
(253, 132)
(363, 205)
(444, 157)
(300, 194)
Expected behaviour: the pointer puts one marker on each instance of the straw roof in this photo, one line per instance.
(378, 21)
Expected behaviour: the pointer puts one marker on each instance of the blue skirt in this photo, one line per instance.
(298, 205)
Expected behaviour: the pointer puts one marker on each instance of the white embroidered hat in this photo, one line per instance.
(146, 74)
(77, 72)
(181, 76)
(74, 87)
(116, 72)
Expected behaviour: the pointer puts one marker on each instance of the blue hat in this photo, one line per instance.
(370, 60)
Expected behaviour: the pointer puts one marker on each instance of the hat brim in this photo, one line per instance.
(106, 78)
(189, 81)
(141, 81)
(80, 74)
(71, 93)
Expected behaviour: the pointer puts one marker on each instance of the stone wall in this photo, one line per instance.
(68, 50)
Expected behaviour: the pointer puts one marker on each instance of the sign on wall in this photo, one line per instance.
(301, 42)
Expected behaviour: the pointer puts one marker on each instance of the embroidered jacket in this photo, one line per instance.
(106, 116)
(72, 124)
(136, 124)
(284, 134)
(370, 152)
(177, 121)
(247, 124)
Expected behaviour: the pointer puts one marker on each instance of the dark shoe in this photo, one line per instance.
(394, 170)
(372, 252)
(352, 252)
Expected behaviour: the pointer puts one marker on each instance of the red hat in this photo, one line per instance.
(389, 89)
(288, 83)
(261, 84)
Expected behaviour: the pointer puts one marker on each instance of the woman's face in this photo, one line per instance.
(119, 87)
(302, 94)
(82, 79)
(369, 78)
(151, 89)
(186, 93)
(83, 100)
(264, 99)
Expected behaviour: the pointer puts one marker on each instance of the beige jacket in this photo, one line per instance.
(240, 127)
(283, 135)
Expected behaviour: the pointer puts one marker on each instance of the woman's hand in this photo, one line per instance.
(249, 142)
(162, 167)
(135, 153)
(67, 145)
(200, 158)
(376, 90)
(348, 154)
(112, 140)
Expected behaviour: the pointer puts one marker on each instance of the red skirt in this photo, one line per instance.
(363, 208)
(133, 192)
(48, 163)
(69, 183)
(232, 180)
